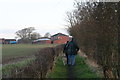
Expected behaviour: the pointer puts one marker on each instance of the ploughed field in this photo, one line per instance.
(16, 52)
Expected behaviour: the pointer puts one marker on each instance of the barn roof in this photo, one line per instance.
(7, 39)
(43, 39)
(59, 34)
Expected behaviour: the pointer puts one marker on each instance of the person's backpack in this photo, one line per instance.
(71, 48)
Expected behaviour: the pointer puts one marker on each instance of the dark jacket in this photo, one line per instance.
(71, 48)
(65, 48)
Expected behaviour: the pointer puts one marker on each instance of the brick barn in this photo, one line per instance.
(59, 38)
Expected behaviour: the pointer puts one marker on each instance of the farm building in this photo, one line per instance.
(59, 38)
(8, 41)
(42, 41)
(2, 40)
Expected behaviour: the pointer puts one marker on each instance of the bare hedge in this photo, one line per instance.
(96, 26)
(44, 62)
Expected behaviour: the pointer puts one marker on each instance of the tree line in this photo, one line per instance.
(27, 35)
(96, 26)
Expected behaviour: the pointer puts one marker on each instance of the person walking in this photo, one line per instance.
(71, 50)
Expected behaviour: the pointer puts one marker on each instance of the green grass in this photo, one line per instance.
(6, 69)
(80, 70)
(59, 70)
(21, 50)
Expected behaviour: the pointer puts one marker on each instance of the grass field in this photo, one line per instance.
(17, 51)
(21, 50)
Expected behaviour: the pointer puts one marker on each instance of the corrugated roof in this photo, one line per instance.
(59, 34)
(43, 39)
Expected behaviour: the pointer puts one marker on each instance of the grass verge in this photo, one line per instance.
(59, 70)
(81, 70)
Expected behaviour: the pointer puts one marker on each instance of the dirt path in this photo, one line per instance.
(69, 68)
(70, 71)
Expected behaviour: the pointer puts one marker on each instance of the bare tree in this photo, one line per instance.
(35, 35)
(25, 34)
(47, 35)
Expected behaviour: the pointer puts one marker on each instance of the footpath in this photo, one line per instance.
(79, 70)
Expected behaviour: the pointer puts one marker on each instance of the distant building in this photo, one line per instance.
(10, 41)
(59, 38)
(7, 41)
(2, 40)
(42, 41)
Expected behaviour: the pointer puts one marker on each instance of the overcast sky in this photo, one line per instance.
(44, 15)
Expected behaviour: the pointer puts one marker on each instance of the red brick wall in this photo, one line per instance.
(61, 39)
(48, 41)
(45, 42)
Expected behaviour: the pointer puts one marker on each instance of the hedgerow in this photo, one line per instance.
(95, 27)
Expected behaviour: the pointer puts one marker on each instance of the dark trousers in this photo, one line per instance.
(71, 59)
(66, 57)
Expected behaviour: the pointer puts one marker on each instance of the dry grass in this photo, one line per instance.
(92, 64)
